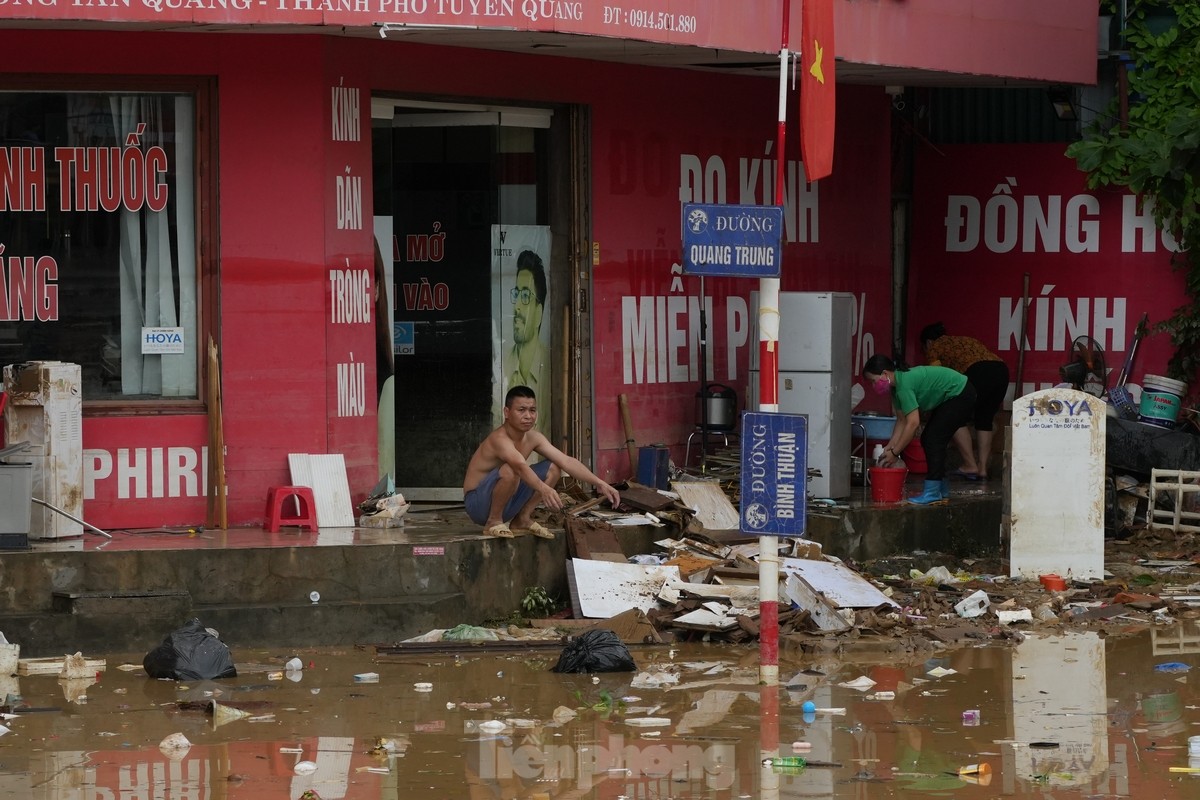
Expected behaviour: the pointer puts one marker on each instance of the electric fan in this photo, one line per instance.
(1084, 368)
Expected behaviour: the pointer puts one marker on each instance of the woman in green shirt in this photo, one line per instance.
(944, 394)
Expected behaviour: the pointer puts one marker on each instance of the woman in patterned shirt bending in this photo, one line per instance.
(987, 373)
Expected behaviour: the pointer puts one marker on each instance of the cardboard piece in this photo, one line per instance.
(632, 626)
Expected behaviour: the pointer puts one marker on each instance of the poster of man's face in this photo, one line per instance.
(521, 352)
(528, 299)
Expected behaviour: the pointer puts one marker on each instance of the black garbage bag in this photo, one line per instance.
(595, 651)
(190, 653)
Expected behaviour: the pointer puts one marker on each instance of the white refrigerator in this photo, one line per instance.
(815, 341)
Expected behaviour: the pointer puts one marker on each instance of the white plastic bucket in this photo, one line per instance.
(1161, 398)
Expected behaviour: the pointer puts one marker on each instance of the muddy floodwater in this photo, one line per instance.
(1072, 716)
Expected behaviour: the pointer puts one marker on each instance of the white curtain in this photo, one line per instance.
(148, 277)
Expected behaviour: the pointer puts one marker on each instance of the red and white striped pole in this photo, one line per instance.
(768, 546)
(768, 397)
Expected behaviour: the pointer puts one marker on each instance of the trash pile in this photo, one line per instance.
(384, 507)
(703, 583)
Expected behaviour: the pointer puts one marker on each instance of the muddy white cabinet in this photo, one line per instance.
(45, 409)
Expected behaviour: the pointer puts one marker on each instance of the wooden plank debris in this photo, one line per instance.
(712, 549)
(54, 665)
(692, 564)
(712, 507)
(586, 506)
(643, 498)
(594, 539)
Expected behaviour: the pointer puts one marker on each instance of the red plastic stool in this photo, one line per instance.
(278, 495)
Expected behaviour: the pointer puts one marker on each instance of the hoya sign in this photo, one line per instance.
(159, 341)
(732, 240)
(774, 473)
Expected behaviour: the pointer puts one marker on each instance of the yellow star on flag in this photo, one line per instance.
(815, 70)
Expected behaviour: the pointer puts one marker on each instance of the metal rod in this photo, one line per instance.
(703, 383)
(72, 517)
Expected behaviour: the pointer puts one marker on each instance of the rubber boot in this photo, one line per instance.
(933, 494)
(945, 488)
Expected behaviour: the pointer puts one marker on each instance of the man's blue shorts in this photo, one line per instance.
(479, 500)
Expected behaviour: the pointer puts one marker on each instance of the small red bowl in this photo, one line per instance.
(1053, 583)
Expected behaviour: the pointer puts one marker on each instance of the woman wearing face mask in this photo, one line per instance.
(949, 399)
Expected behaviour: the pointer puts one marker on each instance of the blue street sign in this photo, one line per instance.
(774, 474)
(732, 240)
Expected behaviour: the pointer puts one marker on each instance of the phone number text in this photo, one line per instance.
(649, 20)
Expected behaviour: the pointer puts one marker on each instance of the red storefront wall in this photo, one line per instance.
(282, 345)
(282, 339)
(658, 138)
(987, 214)
(707, 148)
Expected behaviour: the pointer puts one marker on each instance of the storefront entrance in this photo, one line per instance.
(463, 201)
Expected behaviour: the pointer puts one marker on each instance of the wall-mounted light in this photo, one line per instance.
(1063, 103)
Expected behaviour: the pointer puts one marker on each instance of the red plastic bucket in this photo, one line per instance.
(887, 484)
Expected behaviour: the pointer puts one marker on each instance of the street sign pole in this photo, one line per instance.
(768, 397)
(768, 400)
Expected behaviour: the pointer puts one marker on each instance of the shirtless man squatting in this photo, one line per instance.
(501, 490)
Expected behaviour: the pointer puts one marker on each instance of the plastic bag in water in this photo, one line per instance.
(595, 651)
(190, 653)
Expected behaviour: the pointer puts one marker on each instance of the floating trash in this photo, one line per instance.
(1172, 666)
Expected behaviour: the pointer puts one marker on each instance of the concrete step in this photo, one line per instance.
(95, 625)
(968, 526)
(160, 604)
(346, 622)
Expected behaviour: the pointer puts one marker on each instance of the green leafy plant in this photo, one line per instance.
(537, 602)
(604, 706)
(1155, 151)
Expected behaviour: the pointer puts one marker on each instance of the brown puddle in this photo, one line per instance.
(1070, 716)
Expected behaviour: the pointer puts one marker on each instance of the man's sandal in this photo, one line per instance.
(539, 530)
(500, 531)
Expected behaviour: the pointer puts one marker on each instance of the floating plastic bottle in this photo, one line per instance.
(785, 762)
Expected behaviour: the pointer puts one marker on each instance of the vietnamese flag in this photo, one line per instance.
(817, 89)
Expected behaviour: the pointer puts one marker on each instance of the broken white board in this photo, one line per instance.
(827, 618)
(712, 507)
(326, 476)
(603, 589)
(841, 585)
(707, 619)
(1057, 503)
